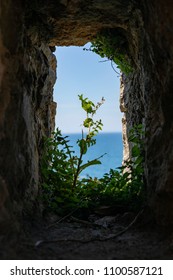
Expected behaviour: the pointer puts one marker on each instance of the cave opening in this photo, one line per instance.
(84, 72)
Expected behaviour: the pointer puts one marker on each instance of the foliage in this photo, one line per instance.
(63, 190)
(57, 172)
(112, 46)
(123, 187)
(61, 168)
(93, 128)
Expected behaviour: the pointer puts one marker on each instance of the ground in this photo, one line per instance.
(99, 237)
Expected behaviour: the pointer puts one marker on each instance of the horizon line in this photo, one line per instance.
(78, 132)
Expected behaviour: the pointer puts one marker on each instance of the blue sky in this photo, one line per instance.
(81, 72)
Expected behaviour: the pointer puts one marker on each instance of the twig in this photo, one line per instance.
(126, 228)
(114, 68)
(92, 239)
(104, 60)
(111, 65)
(85, 222)
(63, 218)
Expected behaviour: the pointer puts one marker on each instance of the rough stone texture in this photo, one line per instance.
(158, 84)
(123, 109)
(148, 100)
(76, 22)
(28, 73)
(29, 30)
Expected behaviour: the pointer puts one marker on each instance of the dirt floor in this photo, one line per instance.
(121, 236)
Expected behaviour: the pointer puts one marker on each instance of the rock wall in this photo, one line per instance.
(28, 73)
(30, 30)
(147, 99)
(158, 84)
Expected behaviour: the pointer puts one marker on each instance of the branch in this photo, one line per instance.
(38, 243)
(114, 68)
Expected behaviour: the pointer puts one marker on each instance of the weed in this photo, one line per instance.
(61, 167)
(63, 190)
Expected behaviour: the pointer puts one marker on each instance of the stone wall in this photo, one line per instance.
(147, 98)
(28, 73)
(157, 79)
(30, 30)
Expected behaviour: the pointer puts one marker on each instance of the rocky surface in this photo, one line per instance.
(147, 97)
(99, 238)
(28, 73)
(29, 32)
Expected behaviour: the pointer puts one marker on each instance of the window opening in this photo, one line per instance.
(82, 72)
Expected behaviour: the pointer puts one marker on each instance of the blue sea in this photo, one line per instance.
(109, 143)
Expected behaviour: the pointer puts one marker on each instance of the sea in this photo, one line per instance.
(108, 144)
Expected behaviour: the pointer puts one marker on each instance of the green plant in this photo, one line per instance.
(126, 186)
(93, 128)
(61, 168)
(57, 173)
(122, 187)
(112, 45)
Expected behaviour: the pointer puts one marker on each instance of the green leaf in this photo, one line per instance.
(59, 199)
(83, 146)
(139, 160)
(89, 163)
(135, 151)
(88, 122)
(87, 107)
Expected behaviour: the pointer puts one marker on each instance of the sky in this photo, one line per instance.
(82, 72)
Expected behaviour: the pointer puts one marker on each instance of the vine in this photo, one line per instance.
(112, 45)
